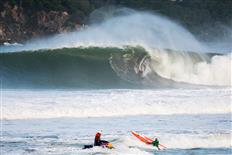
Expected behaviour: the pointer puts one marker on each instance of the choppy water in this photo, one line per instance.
(182, 134)
(187, 121)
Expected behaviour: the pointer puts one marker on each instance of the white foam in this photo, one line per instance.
(182, 68)
(51, 104)
(197, 141)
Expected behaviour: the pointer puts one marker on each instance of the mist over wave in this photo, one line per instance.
(128, 28)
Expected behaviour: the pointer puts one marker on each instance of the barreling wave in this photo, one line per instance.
(112, 67)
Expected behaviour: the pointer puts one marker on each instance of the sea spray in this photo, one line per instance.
(137, 28)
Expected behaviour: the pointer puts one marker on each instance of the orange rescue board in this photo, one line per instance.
(142, 138)
(145, 139)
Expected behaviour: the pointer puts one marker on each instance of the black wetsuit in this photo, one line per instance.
(98, 142)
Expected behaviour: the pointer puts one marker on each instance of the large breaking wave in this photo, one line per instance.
(131, 49)
(112, 68)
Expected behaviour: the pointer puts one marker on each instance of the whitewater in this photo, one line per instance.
(131, 71)
(34, 104)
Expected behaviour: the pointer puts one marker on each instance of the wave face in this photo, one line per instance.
(73, 67)
(128, 67)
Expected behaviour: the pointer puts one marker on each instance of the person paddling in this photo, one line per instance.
(99, 142)
(149, 141)
(156, 143)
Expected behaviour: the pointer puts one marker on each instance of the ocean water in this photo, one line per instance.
(153, 77)
(187, 121)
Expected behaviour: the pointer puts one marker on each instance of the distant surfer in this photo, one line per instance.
(99, 142)
(140, 73)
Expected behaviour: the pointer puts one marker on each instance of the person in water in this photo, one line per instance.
(156, 143)
(99, 142)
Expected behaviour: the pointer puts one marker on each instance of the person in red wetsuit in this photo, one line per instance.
(98, 141)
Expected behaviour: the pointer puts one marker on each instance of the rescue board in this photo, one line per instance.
(145, 139)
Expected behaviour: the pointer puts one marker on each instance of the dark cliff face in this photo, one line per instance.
(21, 20)
(16, 25)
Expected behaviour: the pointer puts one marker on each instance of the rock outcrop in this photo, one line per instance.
(17, 26)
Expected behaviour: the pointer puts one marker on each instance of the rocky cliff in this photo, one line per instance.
(17, 26)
